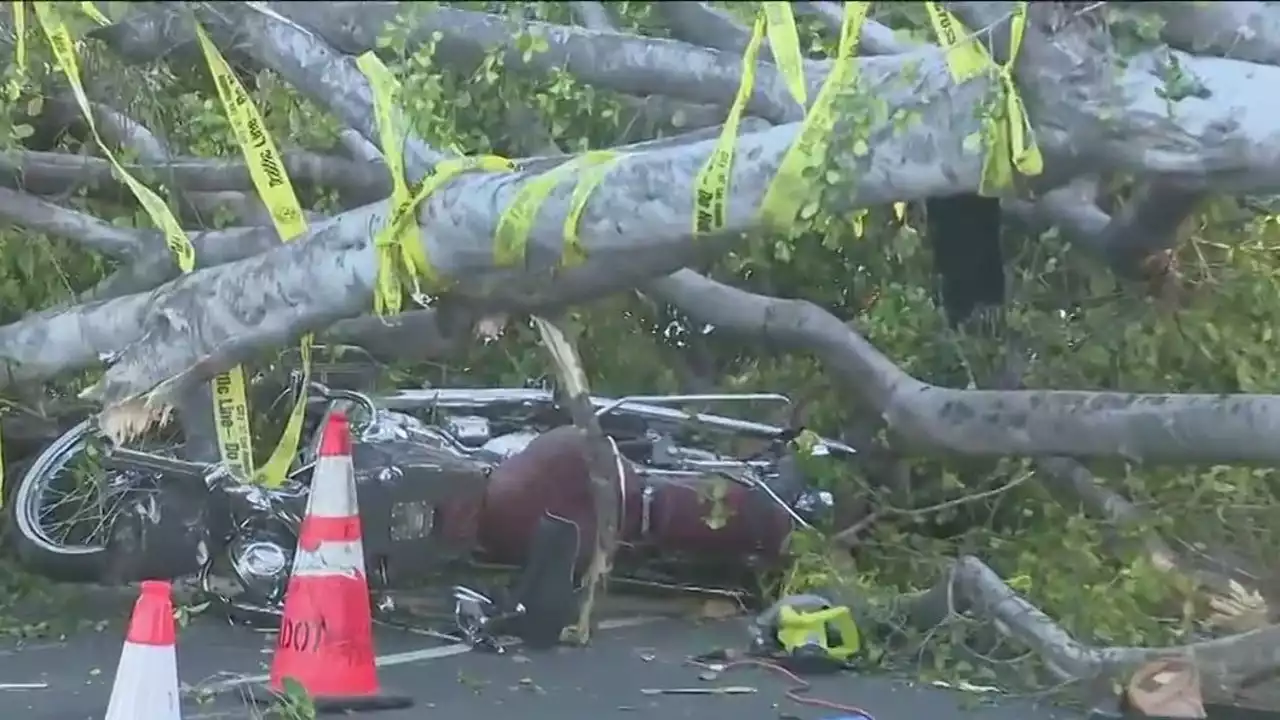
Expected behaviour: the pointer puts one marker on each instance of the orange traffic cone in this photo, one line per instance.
(146, 684)
(326, 636)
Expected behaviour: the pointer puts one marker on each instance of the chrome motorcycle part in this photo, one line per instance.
(504, 446)
(261, 567)
(817, 507)
(710, 397)
(470, 430)
(474, 614)
(492, 398)
(249, 578)
(412, 520)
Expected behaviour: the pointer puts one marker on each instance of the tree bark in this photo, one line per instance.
(604, 463)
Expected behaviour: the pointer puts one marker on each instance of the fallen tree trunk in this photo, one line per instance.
(653, 190)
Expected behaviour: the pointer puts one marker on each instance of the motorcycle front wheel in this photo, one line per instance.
(63, 507)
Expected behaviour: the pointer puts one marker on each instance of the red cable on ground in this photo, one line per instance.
(800, 685)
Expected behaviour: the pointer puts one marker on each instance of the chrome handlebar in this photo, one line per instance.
(359, 398)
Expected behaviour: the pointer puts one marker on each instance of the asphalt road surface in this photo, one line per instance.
(71, 679)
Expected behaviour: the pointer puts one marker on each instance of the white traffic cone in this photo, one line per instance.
(146, 684)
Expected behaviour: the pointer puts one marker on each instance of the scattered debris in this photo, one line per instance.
(719, 690)
(965, 686)
(528, 685)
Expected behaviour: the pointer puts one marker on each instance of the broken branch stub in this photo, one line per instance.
(604, 464)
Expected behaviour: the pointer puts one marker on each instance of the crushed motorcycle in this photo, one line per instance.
(445, 477)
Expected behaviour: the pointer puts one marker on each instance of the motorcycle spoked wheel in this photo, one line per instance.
(64, 505)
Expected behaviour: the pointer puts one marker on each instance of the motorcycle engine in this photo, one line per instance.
(421, 487)
(260, 557)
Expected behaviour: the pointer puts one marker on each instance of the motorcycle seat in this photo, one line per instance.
(549, 475)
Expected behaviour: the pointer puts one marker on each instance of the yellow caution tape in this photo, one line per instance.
(13, 89)
(274, 473)
(593, 173)
(399, 247)
(966, 57)
(65, 56)
(391, 133)
(231, 422)
(791, 187)
(516, 222)
(412, 255)
(1006, 131)
(94, 13)
(266, 168)
(785, 43)
(20, 34)
(711, 186)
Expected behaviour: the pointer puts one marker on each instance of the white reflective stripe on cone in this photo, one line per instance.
(146, 684)
(333, 489)
(331, 558)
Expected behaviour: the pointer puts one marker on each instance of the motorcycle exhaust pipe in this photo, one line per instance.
(124, 459)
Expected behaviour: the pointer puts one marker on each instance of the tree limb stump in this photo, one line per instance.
(604, 463)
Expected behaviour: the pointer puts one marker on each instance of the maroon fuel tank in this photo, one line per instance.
(701, 515)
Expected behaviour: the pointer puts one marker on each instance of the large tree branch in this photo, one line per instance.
(592, 15)
(36, 214)
(274, 41)
(701, 24)
(117, 128)
(876, 38)
(1153, 428)
(1125, 120)
(637, 226)
(1148, 226)
(626, 63)
(1240, 30)
(969, 585)
(49, 173)
(654, 114)
(1191, 121)
(1145, 227)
